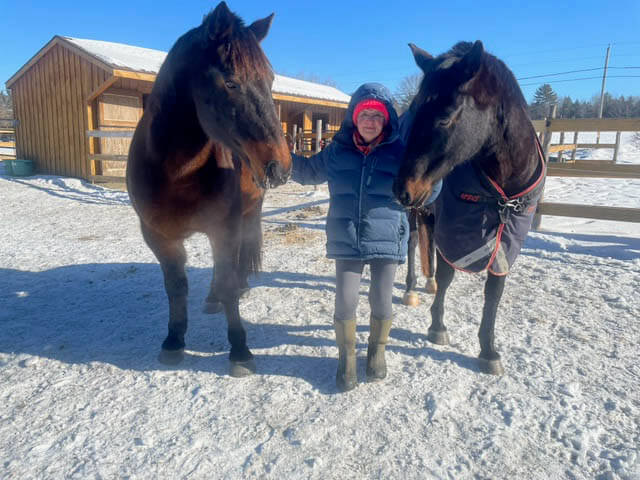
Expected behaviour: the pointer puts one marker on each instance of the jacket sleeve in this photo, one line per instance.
(312, 170)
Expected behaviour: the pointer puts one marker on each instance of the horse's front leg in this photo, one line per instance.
(410, 297)
(226, 252)
(172, 257)
(489, 357)
(437, 331)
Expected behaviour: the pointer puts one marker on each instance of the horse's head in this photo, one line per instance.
(452, 119)
(230, 84)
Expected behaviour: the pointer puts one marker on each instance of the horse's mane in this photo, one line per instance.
(505, 84)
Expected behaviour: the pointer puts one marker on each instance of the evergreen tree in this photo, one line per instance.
(542, 99)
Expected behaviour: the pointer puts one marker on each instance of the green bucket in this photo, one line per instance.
(5, 167)
(21, 168)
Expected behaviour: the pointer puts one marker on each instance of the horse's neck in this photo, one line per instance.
(512, 160)
(175, 130)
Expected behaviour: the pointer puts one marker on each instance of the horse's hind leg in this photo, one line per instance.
(172, 257)
(437, 331)
(410, 297)
(428, 251)
(489, 357)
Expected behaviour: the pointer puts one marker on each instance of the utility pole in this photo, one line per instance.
(604, 81)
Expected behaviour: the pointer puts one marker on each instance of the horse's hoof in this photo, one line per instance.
(212, 307)
(242, 369)
(411, 299)
(345, 384)
(439, 338)
(492, 367)
(431, 286)
(171, 357)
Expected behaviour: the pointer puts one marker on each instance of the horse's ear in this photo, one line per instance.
(473, 59)
(219, 23)
(422, 58)
(260, 28)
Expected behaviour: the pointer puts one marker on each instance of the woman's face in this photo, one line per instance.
(370, 123)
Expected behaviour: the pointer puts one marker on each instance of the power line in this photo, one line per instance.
(560, 73)
(577, 79)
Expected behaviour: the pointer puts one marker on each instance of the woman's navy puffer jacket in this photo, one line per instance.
(364, 220)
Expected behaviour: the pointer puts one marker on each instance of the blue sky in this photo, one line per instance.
(352, 42)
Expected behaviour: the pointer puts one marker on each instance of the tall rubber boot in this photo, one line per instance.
(346, 377)
(378, 336)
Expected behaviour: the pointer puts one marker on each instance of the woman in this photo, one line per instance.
(365, 225)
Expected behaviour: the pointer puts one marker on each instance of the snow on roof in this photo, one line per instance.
(138, 59)
(119, 55)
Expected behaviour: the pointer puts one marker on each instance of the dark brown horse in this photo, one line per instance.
(207, 146)
(470, 128)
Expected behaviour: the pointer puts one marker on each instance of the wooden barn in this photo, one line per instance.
(77, 101)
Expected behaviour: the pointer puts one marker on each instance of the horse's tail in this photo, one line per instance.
(423, 242)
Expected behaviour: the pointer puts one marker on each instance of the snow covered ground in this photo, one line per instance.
(83, 312)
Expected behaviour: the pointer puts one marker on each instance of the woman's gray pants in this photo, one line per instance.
(348, 275)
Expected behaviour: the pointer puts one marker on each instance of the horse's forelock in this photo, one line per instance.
(247, 59)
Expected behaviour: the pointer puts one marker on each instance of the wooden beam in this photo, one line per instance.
(101, 89)
(596, 145)
(104, 157)
(589, 125)
(311, 101)
(110, 133)
(593, 169)
(146, 77)
(106, 179)
(560, 148)
(617, 214)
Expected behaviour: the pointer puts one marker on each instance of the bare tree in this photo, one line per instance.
(405, 92)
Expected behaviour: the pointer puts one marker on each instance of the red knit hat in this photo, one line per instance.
(372, 104)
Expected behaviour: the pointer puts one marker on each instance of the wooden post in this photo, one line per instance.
(318, 135)
(560, 152)
(575, 142)
(616, 148)
(295, 138)
(537, 218)
(307, 126)
(547, 132)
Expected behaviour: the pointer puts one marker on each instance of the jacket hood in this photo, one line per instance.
(368, 91)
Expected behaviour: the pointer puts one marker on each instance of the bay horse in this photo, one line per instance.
(207, 146)
(471, 128)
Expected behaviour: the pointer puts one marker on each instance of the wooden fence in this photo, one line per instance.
(7, 140)
(308, 142)
(96, 159)
(562, 166)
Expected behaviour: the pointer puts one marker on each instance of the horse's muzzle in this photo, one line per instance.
(276, 175)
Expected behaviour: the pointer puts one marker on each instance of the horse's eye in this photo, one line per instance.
(444, 123)
(230, 85)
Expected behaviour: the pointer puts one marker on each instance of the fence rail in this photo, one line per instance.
(95, 159)
(561, 167)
